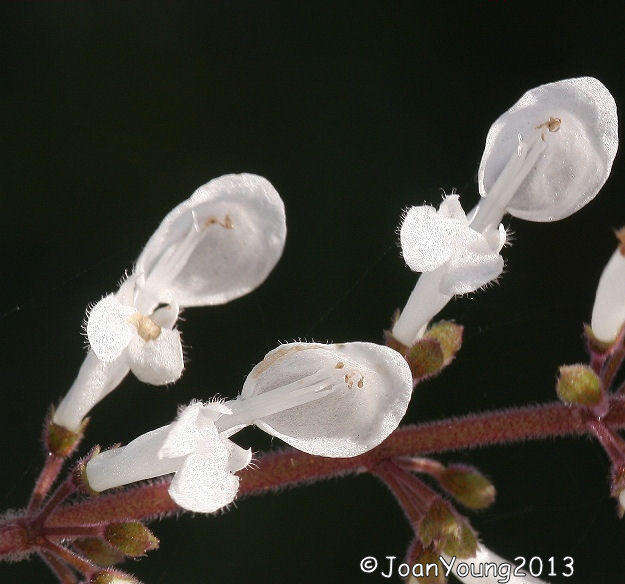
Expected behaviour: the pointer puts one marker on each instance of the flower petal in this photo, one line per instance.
(470, 271)
(95, 380)
(608, 312)
(157, 362)
(578, 157)
(203, 484)
(108, 328)
(234, 230)
(348, 421)
(183, 436)
(428, 238)
(239, 457)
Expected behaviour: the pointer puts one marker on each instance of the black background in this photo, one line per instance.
(115, 112)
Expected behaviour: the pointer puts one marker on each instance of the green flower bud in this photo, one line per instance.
(468, 486)
(579, 385)
(132, 538)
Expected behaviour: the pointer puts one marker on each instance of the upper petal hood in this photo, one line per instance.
(240, 230)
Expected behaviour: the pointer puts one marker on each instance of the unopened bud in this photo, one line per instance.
(132, 538)
(426, 358)
(449, 335)
(579, 385)
(445, 530)
(435, 349)
(61, 441)
(98, 551)
(468, 486)
(112, 577)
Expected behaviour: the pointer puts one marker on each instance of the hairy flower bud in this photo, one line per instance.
(468, 486)
(98, 551)
(433, 351)
(579, 385)
(112, 577)
(132, 538)
(443, 528)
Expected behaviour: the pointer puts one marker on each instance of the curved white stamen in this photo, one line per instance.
(493, 206)
(246, 411)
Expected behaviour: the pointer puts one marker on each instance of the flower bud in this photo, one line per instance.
(435, 350)
(449, 335)
(132, 538)
(450, 533)
(112, 577)
(579, 385)
(468, 486)
(98, 551)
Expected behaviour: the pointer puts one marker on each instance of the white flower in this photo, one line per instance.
(219, 244)
(328, 400)
(549, 154)
(608, 312)
(489, 568)
(454, 259)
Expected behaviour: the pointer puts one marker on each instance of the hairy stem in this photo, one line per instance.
(290, 467)
(59, 569)
(47, 476)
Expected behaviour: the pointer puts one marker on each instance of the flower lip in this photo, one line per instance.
(219, 244)
(577, 121)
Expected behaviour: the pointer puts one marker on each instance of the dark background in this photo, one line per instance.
(115, 112)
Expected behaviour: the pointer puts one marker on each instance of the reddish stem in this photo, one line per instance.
(611, 442)
(420, 465)
(290, 467)
(414, 496)
(65, 490)
(72, 531)
(74, 560)
(614, 360)
(47, 476)
(59, 569)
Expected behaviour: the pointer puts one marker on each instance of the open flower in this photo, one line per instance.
(219, 244)
(549, 154)
(329, 400)
(608, 311)
(453, 256)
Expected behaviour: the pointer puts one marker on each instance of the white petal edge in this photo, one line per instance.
(608, 312)
(108, 328)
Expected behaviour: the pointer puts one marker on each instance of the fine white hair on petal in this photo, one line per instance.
(578, 156)
(234, 229)
(204, 484)
(348, 421)
(469, 272)
(108, 328)
(159, 361)
(608, 312)
(429, 238)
